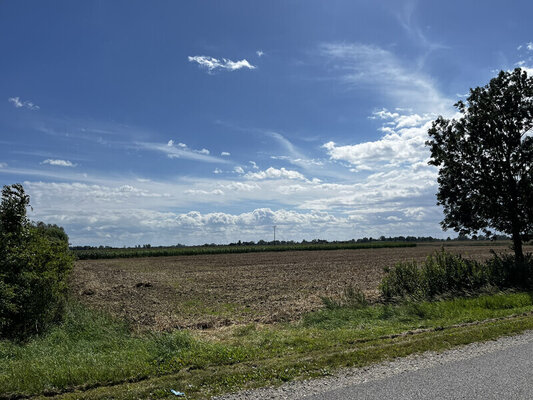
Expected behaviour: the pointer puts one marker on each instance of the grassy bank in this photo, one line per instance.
(97, 356)
(199, 250)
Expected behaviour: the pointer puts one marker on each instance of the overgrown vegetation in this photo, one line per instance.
(34, 264)
(102, 253)
(92, 350)
(446, 274)
(351, 297)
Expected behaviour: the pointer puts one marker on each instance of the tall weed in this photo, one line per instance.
(446, 274)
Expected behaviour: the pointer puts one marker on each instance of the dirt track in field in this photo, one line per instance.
(209, 291)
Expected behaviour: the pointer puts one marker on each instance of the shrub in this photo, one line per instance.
(441, 274)
(444, 274)
(34, 266)
(505, 272)
(402, 280)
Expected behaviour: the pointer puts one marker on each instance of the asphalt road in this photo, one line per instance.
(501, 369)
(503, 374)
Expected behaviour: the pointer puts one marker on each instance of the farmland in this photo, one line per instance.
(210, 291)
(107, 252)
(210, 324)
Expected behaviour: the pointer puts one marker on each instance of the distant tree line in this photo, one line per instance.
(411, 239)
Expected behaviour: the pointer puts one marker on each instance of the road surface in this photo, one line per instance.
(501, 369)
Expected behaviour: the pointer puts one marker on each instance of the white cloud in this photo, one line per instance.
(26, 104)
(365, 204)
(360, 65)
(403, 143)
(16, 102)
(225, 154)
(181, 151)
(528, 70)
(212, 63)
(217, 171)
(3, 165)
(216, 192)
(101, 215)
(529, 46)
(238, 170)
(393, 149)
(59, 163)
(274, 173)
(254, 165)
(260, 53)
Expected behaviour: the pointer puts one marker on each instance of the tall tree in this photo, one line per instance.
(485, 160)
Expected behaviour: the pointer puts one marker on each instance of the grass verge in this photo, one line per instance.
(94, 356)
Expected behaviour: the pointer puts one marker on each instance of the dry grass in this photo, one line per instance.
(217, 290)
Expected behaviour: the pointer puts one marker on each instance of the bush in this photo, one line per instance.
(444, 274)
(505, 272)
(34, 266)
(441, 274)
(402, 280)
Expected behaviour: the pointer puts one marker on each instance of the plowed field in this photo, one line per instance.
(209, 291)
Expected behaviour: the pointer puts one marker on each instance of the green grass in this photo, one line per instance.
(198, 250)
(94, 353)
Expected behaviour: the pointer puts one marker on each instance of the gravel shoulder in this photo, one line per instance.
(379, 372)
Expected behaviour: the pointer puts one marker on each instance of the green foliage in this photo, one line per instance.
(402, 280)
(445, 274)
(51, 231)
(506, 272)
(34, 265)
(484, 160)
(13, 219)
(191, 251)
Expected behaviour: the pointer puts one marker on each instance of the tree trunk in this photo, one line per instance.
(517, 247)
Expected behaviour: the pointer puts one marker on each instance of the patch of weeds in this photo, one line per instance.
(352, 297)
(443, 274)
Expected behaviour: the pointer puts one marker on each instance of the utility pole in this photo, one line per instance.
(274, 234)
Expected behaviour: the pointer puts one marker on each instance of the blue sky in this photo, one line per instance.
(133, 122)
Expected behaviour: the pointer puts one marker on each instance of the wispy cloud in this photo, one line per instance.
(407, 19)
(359, 65)
(23, 104)
(181, 150)
(529, 46)
(225, 154)
(3, 165)
(260, 53)
(59, 163)
(211, 63)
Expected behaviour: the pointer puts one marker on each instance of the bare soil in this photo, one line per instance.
(209, 291)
